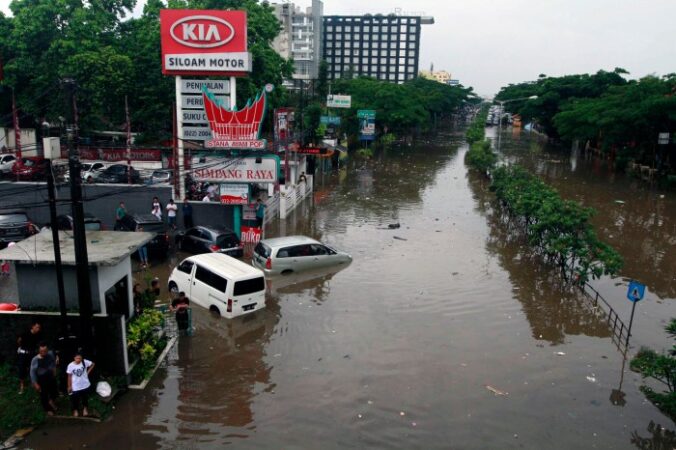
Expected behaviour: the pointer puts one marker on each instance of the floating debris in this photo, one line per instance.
(400, 238)
(619, 202)
(496, 391)
(560, 353)
(591, 379)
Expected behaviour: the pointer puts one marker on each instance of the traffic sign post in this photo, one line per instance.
(635, 293)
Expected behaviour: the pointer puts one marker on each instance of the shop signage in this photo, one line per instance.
(116, 154)
(194, 116)
(311, 150)
(244, 170)
(235, 129)
(249, 212)
(330, 120)
(234, 194)
(367, 124)
(203, 42)
(196, 133)
(282, 123)
(663, 138)
(250, 235)
(191, 101)
(338, 101)
(195, 86)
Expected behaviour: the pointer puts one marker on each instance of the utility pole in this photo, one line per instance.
(17, 132)
(126, 113)
(79, 235)
(55, 237)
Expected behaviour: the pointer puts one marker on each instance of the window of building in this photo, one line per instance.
(393, 61)
(376, 29)
(392, 76)
(414, 20)
(364, 60)
(393, 29)
(383, 61)
(348, 44)
(347, 52)
(411, 53)
(411, 61)
(338, 60)
(382, 76)
(411, 37)
(393, 45)
(367, 29)
(348, 37)
(402, 68)
(367, 37)
(339, 29)
(376, 45)
(329, 51)
(366, 44)
(339, 51)
(329, 28)
(374, 60)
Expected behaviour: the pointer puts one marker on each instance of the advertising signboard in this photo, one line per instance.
(235, 128)
(367, 124)
(243, 170)
(330, 120)
(203, 42)
(282, 123)
(311, 151)
(250, 235)
(234, 194)
(217, 87)
(338, 101)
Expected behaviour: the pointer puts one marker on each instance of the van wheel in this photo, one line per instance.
(214, 309)
(287, 272)
(173, 288)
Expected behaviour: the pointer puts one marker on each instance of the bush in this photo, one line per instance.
(144, 341)
(17, 411)
(481, 157)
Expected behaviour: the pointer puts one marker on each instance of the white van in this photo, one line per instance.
(219, 283)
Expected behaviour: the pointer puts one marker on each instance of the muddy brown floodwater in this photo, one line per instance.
(450, 337)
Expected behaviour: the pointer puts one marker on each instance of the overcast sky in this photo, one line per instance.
(490, 43)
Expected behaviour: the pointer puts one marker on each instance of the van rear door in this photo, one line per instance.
(248, 295)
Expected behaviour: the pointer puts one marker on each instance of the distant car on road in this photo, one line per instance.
(210, 240)
(119, 173)
(14, 226)
(6, 163)
(160, 177)
(30, 168)
(295, 253)
(159, 245)
(92, 170)
(92, 223)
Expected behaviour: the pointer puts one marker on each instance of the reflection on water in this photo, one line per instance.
(660, 438)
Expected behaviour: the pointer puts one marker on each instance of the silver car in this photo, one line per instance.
(294, 254)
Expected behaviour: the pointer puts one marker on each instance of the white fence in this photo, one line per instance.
(271, 208)
(292, 196)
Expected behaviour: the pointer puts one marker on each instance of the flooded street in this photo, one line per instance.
(442, 333)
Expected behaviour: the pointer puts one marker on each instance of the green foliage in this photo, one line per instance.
(557, 228)
(660, 367)
(17, 411)
(112, 56)
(145, 342)
(387, 139)
(477, 129)
(481, 157)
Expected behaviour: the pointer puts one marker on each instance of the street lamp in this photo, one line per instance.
(502, 103)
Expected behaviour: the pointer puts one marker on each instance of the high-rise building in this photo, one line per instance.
(300, 37)
(386, 47)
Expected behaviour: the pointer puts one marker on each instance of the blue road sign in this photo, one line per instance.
(635, 291)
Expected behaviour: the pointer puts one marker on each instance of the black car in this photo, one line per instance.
(210, 240)
(159, 245)
(14, 226)
(92, 223)
(119, 173)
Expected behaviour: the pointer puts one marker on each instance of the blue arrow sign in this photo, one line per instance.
(635, 291)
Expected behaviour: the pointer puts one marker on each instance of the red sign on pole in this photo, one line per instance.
(250, 234)
(204, 42)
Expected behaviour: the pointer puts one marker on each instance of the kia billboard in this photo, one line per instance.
(204, 42)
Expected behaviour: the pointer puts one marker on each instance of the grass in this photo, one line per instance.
(17, 410)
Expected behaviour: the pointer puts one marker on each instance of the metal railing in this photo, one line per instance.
(620, 332)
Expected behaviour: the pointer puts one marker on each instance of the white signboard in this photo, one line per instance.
(234, 194)
(194, 116)
(338, 101)
(190, 101)
(251, 144)
(208, 62)
(197, 133)
(663, 138)
(244, 170)
(214, 86)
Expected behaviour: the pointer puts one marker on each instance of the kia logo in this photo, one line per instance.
(202, 31)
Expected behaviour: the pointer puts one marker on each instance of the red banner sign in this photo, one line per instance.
(311, 150)
(116, 154)
(204, 42)
(233, 128)
(250, 234)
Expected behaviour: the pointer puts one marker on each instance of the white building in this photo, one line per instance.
(300, 37)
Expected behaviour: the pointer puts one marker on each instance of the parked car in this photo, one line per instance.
(6, 163)
(210, 240)
(220, 284)
(92, 223)
(160, 177)
(92, 170)
(119, 173)
(30, 168)
(14, 226)
(159, 245)
(295, 253)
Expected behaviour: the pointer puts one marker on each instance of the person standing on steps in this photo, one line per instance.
(120, 212)
(180, 305)
(157, 208)
(142, 251)
(43, 377)
(27, 347)
(78, 384)
(171, 213)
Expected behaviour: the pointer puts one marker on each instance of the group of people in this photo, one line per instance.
(156, 210)
(45, 369)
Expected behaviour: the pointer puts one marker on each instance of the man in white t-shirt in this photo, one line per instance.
(78, 384)
(171, 213)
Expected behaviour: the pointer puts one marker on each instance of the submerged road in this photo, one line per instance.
(440, 334)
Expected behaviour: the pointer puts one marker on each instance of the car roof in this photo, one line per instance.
(145, 217)
(12, 211)
(86, 216)
(288, 240)
(226, 266)
(215, 230)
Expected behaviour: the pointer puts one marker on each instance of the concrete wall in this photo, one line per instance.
(101, 200)
(109, 275)
(37, 288)
(109, 337)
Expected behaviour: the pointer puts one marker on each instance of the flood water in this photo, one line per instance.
(414, 344)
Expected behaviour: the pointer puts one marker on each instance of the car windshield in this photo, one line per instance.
(28, 162)
(160, 174)
(13, 218)
(153, 227)
(227, 241)
(263, 250)
(115, 169)
(86, 167)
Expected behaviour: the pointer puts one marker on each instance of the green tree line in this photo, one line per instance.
(621, 117)
(112, 55)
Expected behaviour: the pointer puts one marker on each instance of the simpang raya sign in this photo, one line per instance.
(204, 42)
(244, 170)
